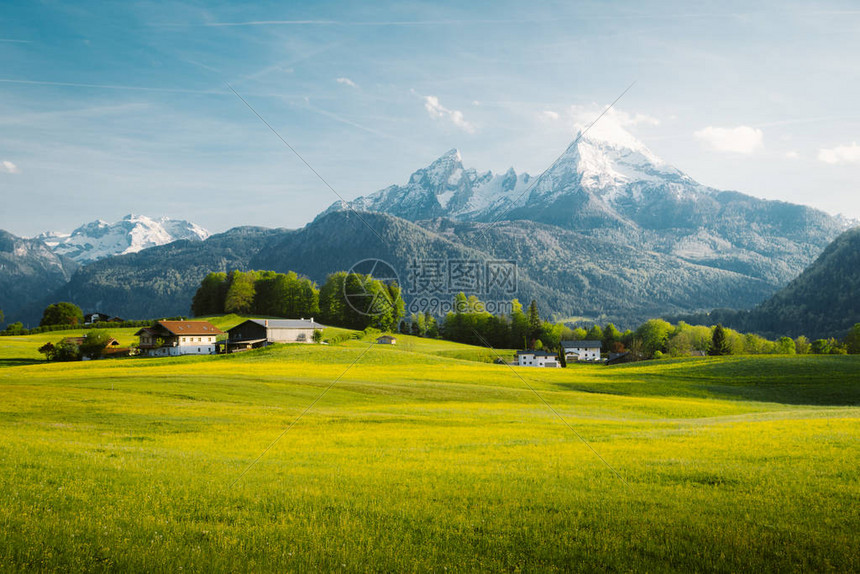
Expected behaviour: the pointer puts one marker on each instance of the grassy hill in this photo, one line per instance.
(422, 457)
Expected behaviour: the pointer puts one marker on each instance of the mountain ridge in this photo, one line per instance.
(99, 239)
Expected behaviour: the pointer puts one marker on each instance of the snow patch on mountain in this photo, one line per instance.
(99, 239)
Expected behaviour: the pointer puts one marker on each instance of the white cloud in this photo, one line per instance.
(840, 154)
(611, 125)
(346, 82)
(741, 139)
(8, 167)
(792, 155)
(549, 115)
(438, 111)
(583, 116)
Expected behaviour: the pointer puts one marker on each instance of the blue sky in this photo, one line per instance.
(113, 108)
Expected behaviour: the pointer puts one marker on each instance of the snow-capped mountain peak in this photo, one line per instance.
(99, 239)
(604, 171)
(619, 160)
(445, 171)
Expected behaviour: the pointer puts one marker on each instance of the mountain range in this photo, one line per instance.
(610, 232)
(616, 190)
(99, 239)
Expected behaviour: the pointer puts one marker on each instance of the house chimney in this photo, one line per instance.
(312, 319)
(267, 323)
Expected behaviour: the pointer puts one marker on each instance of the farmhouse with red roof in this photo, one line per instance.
(173, 338)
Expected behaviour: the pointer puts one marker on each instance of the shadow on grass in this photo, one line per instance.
(815, 381)
(19, 362)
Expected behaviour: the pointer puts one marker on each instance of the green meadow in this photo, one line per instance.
(426, 456)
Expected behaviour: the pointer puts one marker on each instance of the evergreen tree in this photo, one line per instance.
(719, 342)
(534, 321)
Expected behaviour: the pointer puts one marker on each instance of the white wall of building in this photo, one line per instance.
(531, 360)
(585, 354)
(275, 335)
(197, 345)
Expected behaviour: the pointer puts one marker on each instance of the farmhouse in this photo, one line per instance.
(386, 340)
(537, 359)
(255, 333)
(112, 348)
(581, 350)
(172, 338)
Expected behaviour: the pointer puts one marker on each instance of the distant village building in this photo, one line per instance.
(173, 338)
(255, 333)
(537, 359)
(386, 340)
(581, 350)
(92, 318)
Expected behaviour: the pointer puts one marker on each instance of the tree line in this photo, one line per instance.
(470, 323)
(360, 302)
(350, 300)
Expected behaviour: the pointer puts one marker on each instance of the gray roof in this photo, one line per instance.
(536, 353)
(288, 323)
(582, 344)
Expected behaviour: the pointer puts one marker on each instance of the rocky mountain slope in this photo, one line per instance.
(28, 270)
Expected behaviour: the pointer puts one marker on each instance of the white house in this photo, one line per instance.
(581, 350)
(255, 333)
(537, 359)
(172, 338)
